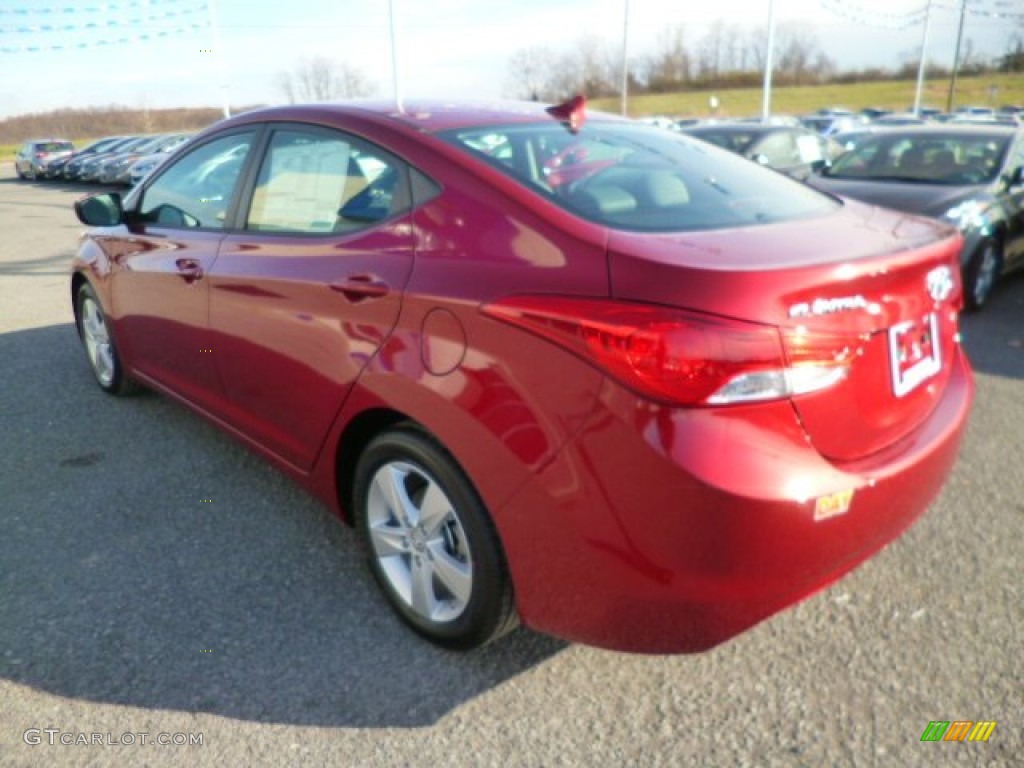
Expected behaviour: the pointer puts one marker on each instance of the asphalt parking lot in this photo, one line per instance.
(156, 578)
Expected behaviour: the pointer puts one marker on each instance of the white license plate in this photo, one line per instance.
(915, 353)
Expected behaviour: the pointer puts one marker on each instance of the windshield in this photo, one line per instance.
(952, 159)
(636, 177)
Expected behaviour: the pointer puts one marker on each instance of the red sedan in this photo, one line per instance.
(558, 368)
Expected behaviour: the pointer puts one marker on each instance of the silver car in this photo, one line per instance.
(31, 160)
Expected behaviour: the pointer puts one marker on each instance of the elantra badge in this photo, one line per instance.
(940, 283)
(824, 306)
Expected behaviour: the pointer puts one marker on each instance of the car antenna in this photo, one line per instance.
(572, 113)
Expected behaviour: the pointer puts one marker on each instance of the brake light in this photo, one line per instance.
(680, 357)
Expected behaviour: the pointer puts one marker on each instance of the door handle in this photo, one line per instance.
(358, 288)
(190, 269)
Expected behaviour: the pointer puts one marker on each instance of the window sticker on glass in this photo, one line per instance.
(810, 149)
(301, 184)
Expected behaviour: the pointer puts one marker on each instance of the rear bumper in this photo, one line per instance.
(658, 530)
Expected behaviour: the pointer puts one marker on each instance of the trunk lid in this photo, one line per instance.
(876, 289)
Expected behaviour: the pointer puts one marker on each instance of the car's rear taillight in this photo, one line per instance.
(681, 357)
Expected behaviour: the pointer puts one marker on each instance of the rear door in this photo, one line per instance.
(303, 295)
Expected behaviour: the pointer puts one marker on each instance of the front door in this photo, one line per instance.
(160, 285)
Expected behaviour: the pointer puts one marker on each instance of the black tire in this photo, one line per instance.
(982, 273)
(431, 544)
(98, 340)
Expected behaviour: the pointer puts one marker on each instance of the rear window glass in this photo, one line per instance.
(54, 146)
(636, 177)
(927, 158)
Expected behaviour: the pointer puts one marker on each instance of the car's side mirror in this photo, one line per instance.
(1015, 178)
(820, 166)
(100, 210)
(760, 159)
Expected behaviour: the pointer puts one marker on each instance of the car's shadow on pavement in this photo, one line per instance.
(148, 560)
(994, 337)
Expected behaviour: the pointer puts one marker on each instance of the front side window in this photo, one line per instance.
(315, 182)
(641, 178)
(196, 190)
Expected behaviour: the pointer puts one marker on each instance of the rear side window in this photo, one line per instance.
(636, 177)
(319, 182)
(196, 189)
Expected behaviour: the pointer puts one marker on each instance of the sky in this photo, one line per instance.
(167, 53)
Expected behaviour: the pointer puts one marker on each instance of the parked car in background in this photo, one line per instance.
(874, 113)
(974, 111)
(117, 168)
(968, 118)
(54, 168)
(970, 176)
(31, 159)
(146, 164)
(796, 151)
(899, 118)
(90, 170)
(790, 120)
(101, 147)
(58, 169)
(829, 124)
(643, 404)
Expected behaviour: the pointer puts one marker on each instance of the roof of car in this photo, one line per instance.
(741, 128)
(428, 115)
(944, 129)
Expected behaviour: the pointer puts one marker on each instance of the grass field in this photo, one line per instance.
(986, 90)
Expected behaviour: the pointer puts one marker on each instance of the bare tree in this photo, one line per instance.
(798, 53)
(596, 68)
(529, 72)
(710, 51)
(287, 86)
(590, 68)
(1013, 59)
(352, 83)
(757, 48)
(323, 79)
(670, 66)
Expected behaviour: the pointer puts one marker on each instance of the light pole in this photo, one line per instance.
(924, 57)
(766, 104)
(625, 50)
(394, 55)
(956, 56)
